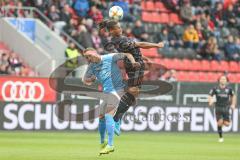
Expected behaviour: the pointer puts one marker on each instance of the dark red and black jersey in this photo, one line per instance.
(223, 95)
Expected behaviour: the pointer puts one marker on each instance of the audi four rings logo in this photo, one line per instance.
(22, 91)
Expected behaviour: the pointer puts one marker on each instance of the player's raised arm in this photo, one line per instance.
(147, 45)
(119, 56)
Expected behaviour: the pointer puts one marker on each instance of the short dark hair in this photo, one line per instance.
(107, 24)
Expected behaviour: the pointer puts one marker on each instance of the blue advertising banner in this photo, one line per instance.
(25, 25)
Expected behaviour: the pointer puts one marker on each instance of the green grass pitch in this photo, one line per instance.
(129, 146)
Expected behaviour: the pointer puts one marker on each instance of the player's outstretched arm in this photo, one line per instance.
(120, 56)
(147, 45)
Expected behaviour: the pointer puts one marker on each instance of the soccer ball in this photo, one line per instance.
(116, 13)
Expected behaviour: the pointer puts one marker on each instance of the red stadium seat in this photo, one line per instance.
(168, 63)
(186, 64)
(161, 7)
(205, 65)
(203, 76)
(233, 78)
(156, 17)
(219, 74)
(233, 66)
(163, 18)
(182, 76)
(175, 18)
(193, 76)
(212, 77)
(163, 62)
(214, 66)
(146, 16)
(196, 65)
(159, 61)
(152, 52)
(238, 77)
(149, 6)
(223, 66)
(176, 64)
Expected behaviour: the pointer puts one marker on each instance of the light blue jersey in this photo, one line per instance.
(107, 72)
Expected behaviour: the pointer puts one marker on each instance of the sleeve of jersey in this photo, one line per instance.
(212, 92)
(127, 45)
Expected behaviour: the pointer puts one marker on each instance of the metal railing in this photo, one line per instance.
(32, 12)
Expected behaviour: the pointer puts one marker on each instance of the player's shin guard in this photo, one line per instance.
(220, 131)
(110, 128)
(126, 101)
(102, 129)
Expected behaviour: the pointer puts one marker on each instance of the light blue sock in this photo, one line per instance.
(102, 129)
(110, 128)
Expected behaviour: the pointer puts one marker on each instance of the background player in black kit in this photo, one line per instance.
(225, 99)
(124, 44)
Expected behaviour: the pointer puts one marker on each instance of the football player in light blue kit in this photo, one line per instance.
(106, 70)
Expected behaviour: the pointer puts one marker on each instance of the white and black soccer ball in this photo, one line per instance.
(116, 13)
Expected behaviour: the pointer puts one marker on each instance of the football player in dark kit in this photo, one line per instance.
(225, 99)
(123, 44)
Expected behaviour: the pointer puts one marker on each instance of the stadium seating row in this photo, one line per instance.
(161, 17)
(170, 53)
(199, 65)
(151, 6)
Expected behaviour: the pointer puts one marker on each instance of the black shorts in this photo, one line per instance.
(135, 76)
(222, 113)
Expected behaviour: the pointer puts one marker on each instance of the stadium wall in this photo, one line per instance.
(30, 104)
(52, 43)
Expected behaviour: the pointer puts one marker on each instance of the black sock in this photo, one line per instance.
(220, 131)
(126, 101)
